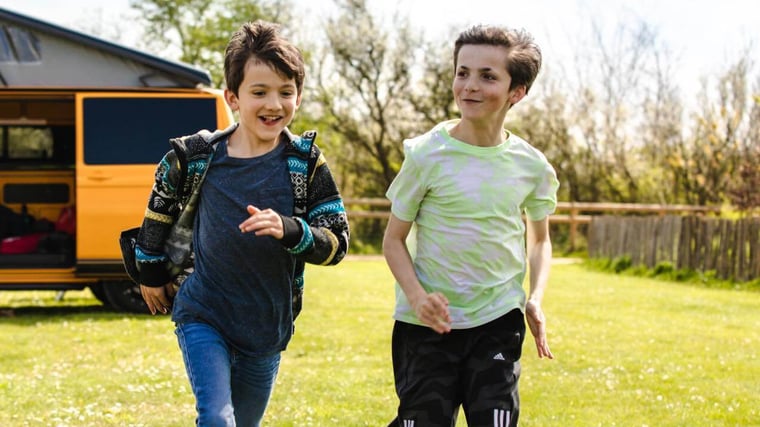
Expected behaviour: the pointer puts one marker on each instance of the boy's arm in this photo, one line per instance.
(539, 259)
(155, 282)
(431, 308)
(323, 237)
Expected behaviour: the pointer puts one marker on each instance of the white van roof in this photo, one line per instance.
(34, 53)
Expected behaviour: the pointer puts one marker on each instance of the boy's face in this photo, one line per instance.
(266, 102)
(481, 84)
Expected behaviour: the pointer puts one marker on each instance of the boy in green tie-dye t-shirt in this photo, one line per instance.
(460, 197)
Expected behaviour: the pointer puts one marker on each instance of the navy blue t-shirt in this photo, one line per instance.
(242, 282)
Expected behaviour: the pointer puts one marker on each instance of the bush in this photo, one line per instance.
(663, 268)
(621, 263)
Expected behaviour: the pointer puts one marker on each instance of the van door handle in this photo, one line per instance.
(99, 177)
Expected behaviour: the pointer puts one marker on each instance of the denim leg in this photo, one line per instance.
(207, 362)
(252, 383)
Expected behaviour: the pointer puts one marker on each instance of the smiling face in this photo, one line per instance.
(481, 84)
(266, 102)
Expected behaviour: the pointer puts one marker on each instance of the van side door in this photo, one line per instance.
(120, 139)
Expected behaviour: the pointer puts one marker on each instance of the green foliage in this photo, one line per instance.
(620, 264)
(363, 72)
(366, 237)
(742, 193)
(663, 268)
(709, 163)
(666, 271)
(614, 124)
(200, 29)
(629, 352)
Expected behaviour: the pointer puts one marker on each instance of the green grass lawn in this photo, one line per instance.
(629, 352)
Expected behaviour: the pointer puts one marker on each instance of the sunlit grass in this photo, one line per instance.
(629, 352)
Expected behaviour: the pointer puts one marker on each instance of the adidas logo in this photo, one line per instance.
(501, 417)
(498, 356)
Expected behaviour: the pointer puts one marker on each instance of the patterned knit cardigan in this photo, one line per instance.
(164, 244)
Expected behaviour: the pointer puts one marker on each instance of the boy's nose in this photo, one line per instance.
(272, 103)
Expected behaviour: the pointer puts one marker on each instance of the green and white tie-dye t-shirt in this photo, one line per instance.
(467, 203)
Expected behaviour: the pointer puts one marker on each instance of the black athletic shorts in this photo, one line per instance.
(476, 368)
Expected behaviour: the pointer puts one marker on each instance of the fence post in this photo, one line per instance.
(573, 226)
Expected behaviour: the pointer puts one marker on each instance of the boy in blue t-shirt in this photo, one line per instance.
(465, 186)
(268, 204)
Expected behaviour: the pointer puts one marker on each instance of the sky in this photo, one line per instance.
(702, 36)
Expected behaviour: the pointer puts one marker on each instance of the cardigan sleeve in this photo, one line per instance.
(325, 232)
(160, 214)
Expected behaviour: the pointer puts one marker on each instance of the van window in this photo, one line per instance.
(18, 45)
(53, 193)
(26, 143)
(37, 145)
(137, 130)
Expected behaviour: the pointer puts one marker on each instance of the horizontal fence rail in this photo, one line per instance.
(362, 208)
(578, 213)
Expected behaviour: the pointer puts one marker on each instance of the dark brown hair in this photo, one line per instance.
(523, 54)
(261, 41)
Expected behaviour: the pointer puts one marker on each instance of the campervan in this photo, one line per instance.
(83, 123)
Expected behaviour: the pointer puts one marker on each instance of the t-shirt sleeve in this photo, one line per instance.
(543, 200)
(407, 190)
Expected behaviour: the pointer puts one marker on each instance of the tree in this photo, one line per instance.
(662, 129)
(432, 97)
(609, 109)
(743, 190)
(543, 122)
(364, 78)
(197, 31)
(613, 124)
(602, 119)
(721, 131)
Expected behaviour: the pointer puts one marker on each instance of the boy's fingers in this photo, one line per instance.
(440, 325)
(155, 299)
(442, 298)
(441, 306)
(543, 349)
(440, 317)
(252, 210)
(439, 301)
(443, 326)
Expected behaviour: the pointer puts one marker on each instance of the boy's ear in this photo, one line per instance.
(298, 100)
(231, 99)
(517, 94)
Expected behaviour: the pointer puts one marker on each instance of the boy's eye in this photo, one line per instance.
(258, 93)
(461, 73)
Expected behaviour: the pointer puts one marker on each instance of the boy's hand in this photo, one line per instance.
(262, 223)
(158, 299)
(537, 323)
(433, 310)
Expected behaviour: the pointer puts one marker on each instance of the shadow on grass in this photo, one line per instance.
(25, 315)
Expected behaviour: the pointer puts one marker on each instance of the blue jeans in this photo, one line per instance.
(230, 389)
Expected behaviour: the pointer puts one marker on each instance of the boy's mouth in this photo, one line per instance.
(270, 119)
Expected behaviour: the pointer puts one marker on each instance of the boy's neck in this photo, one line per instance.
(478, 134)
(242, 145)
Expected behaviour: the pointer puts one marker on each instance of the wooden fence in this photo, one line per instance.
(731, 248)
(572, 213)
